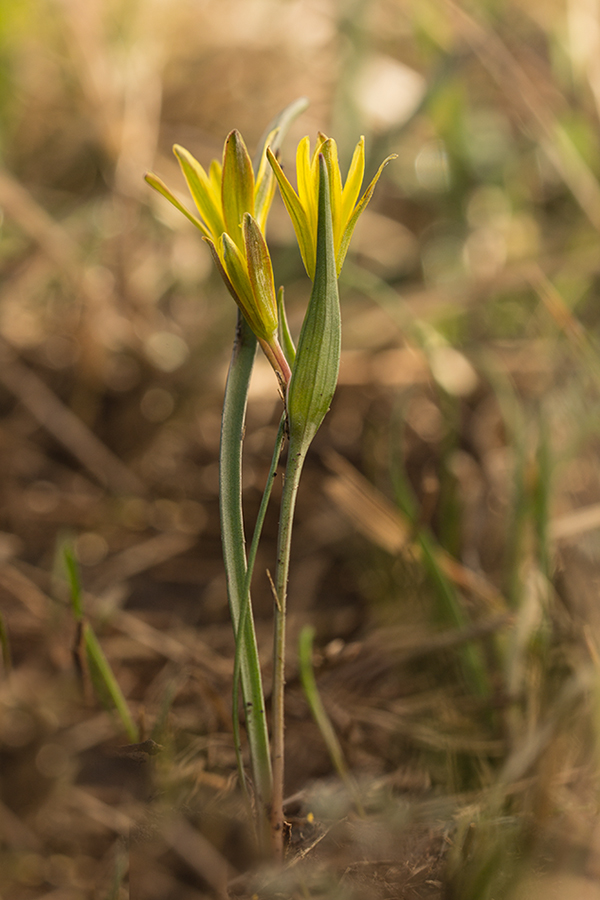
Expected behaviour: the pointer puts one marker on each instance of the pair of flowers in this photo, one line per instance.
(232, 208)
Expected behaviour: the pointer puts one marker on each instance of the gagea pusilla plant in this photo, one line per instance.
(232, 200)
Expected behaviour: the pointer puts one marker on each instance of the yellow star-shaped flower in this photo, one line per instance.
(233, 206)
(302, 205)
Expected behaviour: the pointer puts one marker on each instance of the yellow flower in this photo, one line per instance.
(232, 208)
(302, 205)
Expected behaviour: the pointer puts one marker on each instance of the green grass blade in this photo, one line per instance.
(280, 124)
(273, 138)
(319, 714)
(104, 682)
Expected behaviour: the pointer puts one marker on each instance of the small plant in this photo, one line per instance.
(233, 200)
(87, 648)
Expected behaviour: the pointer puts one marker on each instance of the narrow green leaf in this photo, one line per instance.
(360, 208)
(159, 185)
(237, 186)
(202, 189)
(298, 216)
(316, 367)
(319, 714)
(72, 570)
(287, 342)
(273, 138)
(279, 124)
(234, 555)
(104, 682)
(245, 611)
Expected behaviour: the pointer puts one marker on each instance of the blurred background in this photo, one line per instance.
(446, 548)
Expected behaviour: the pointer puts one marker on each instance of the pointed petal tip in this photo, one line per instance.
(181, 153)
(275, 154)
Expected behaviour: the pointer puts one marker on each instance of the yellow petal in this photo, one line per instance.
(221, 269)
(306, 188)
(314, 174)
(265, 184)
(347, 233)
(297, 214)
(237, 186)
(321, 138)
(330, 154)
(202, 191)
(159, 185)
(237, 272)
(260, 272)
(214, 173)
(353, 182)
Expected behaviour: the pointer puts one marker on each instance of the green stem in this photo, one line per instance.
(293, 472)
(234, 555)
(246, 606)
(278, 360)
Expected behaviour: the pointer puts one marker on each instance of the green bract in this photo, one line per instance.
(318, 356)
(303, 205)
(232, 208)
